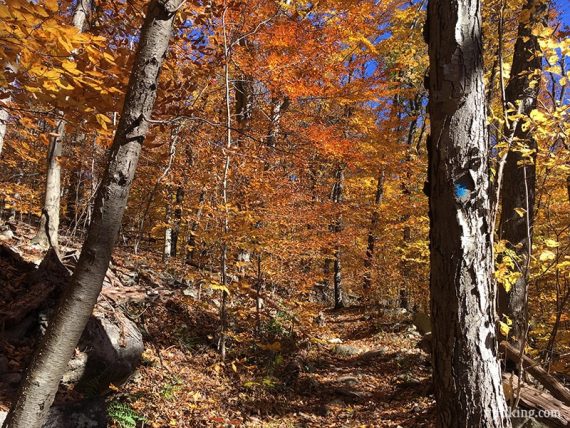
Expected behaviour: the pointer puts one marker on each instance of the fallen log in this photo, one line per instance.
(553, 385)
(542, 404)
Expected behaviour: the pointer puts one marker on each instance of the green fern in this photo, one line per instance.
(124, 415)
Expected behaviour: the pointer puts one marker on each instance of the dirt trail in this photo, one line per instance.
(358, 370)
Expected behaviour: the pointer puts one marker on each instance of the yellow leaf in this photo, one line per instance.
(520, 211)
(547, 255)
(504, 328)
(216, 286)
(64, 85)
(537, 116)
(551, 243)
(102, 120)
(108, 57)
(70, 67)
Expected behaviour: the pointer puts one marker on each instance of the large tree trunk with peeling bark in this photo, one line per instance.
(42, 377)
(467, 375)
(519, 173)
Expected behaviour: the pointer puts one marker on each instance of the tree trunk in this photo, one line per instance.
(50, 212)
(167, 233)
(467, 377)
(4, 116)
(338, 291)
(372, 233)
(177, 220)
(49, 222)
(519, 175)
(244, 100)
(80, 16)
(337, 196)
(278, 106)
(76, 190)
(42, 377)
(191, 241)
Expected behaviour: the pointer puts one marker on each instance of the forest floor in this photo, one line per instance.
(302, 365)
(355, 370)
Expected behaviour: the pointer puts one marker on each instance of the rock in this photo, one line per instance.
(335, 340)
(6, 235)
(81, 414)
(111, 349)
(375, 353)
(191, 292)
(348, 380)
(422, 322)
(347, 350)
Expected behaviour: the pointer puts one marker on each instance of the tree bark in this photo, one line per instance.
(244, 100)
(467, 377)
(278, 106)
(42, 377)
(49, 222)
(4, 116)
(372, 232)
(519, 175)
(76, 190)
(337, 196)
(191, 240)
(177, 220)
(167, 233)
(81, 12)
(50, 212)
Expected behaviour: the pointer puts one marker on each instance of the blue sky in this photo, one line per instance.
(563, 7)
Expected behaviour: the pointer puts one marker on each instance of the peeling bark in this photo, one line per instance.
(467, 377)
(42, 377)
